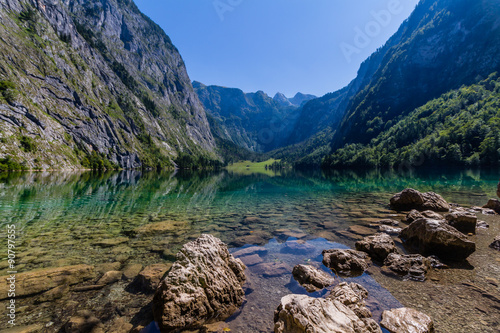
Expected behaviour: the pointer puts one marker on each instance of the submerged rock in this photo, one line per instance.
(37, 281)
(252, 260)
(301, 313)
(346, 262)
(298, 248)
(83, 322)
(148, 280)
(496, 243)
(204, 285)
(248, 251)
(312, 278)
(360, 230)
(428, 237)
(406, 320)
(162, 227)
(412, 266)
(390, 222)
(110, 277)
(462, 221)
(120, 325)
(410, 199)
(377, 246)
(53, 294)
(131, 271)
(111, 242)
(272, 269)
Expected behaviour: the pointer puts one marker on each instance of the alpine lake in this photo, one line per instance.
(124, 221)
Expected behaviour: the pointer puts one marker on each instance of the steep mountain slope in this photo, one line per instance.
(443, 45)
(325, 113)
(460, 128)
(253, 121)
(88, 82)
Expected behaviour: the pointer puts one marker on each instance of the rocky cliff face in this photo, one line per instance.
(253, 121)
(93, 80)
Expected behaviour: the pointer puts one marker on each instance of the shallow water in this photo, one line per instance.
(90, 218)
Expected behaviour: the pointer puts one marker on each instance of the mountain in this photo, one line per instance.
(301, 98)
(94, 83)
(296, 100)
(460, 128)
(282, 100)
(253, 121)
(443, 45)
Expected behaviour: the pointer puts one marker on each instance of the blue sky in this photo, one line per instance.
(311, 46)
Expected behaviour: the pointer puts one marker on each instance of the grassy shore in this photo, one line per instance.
(247, 167)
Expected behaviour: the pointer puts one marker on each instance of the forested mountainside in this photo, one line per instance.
(443, 45)
(94, 83)
(460, 128)
(254, 121)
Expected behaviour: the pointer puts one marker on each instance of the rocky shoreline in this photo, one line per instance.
(430, 241)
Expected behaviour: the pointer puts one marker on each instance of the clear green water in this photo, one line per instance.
(64, 217)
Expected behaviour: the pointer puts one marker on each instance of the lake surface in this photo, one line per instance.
(95, 218)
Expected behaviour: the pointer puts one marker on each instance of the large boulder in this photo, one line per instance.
(463, 221)
(203, 286)
(410, 199)
(428, 237)
(411, 266)
(496, 243)
(352, 295)
(406, 320)
(301, 314)
(377, 246)
(312, 278)
(493, 204)
(346, 262)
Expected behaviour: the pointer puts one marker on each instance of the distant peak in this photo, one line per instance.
(301, 98)
(279, 95)
(281, 99)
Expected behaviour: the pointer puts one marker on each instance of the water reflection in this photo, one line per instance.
(36, 200)
(75, 218)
